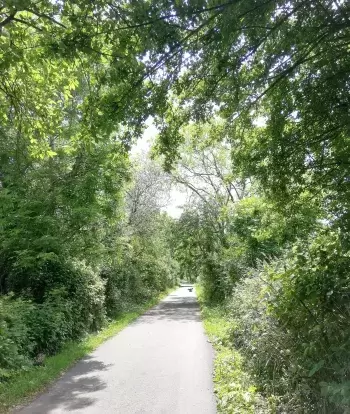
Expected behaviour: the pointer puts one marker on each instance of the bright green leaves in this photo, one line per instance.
(73, 71)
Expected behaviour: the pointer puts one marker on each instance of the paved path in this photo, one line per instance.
(160, 364)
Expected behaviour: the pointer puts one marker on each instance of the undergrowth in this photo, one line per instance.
(235, 389)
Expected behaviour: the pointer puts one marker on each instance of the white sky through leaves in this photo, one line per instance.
(143, 146)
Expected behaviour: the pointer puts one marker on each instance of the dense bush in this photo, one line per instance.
(268, 348)
(30, 328)
(290, 319)
(81, 304)
(16, 343)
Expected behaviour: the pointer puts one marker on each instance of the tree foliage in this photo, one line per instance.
(251, 99)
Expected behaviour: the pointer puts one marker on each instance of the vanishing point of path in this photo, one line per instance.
(160, 364)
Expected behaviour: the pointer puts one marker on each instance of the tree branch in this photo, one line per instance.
(8, 19)
(45, 16)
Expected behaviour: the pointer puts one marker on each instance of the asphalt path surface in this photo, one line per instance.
(160, 364)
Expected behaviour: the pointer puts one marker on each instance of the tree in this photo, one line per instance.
(285, 62)
(203, 231)
(148, 194)
(205, 169)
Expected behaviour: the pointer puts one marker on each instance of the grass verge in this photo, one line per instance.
(234, 387)
(28, 383)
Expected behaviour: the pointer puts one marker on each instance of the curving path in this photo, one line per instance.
(160, 364)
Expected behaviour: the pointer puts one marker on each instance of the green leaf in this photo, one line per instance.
(316, 368)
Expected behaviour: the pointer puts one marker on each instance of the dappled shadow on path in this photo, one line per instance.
(175, 308)
(73, 391)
